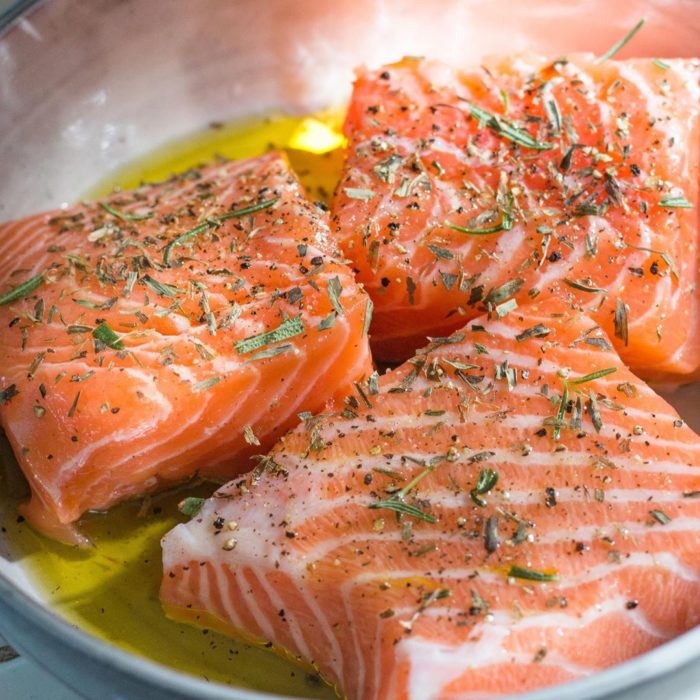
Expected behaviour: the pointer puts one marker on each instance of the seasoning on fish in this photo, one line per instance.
(577, 178)
(479, 529)
(145, 338)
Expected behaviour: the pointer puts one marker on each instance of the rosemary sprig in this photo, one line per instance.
(506, 223)
(21, 290)
(675, 203)
(214, 221)
(403, 509)
(508, 130)
(593, 375)
(122, 215)
(616, 47)
(287, 329)
(531, 574)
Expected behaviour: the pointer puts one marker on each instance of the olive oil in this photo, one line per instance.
(111, 588)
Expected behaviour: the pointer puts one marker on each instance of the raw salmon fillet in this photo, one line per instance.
(569, 178)
(169, 332)
(510, 509)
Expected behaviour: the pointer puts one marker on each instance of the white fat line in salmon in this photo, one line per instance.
(586, 534)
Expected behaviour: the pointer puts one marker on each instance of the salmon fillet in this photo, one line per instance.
(526, 178)
(169, 332)
(510, 509)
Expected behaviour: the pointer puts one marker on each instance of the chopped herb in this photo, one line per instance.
(269, 352)
(163, 290)
(506, 307)
(205, 384)
(287, 329)
(584, 287)
(386, 169)
(507, 130)
(369, 308)
(599, 495)
(559, 420)
(691, 494)
(122, 215)
(506, 223)
(491, 534)
(594, 412)
(105, 335)
(488, 478)
(214, 221)
(614, 49)
(21, 290)
(593, 375)
(8, 393)
(328, 321)
(402, 509)
(660, 64)
(538, 331)
(74, 405)
(440, 253)
(358, 193)
(335, 289)
(249, 436)
(621, 330)
(675, 203)
(190, 505)
(531, 574)
(660, 517)
(553, 115)
(75, 328)
(508, 289)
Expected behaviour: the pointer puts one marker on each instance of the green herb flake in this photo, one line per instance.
(621, 329)
(593, 375)
(21, 290)
(359, 193)
(205, 384)
(616, 47)
(369, 308)
(583, 287)
(335, 289)
(594, 412)
(538, 331)
(215, 221)
(660, 64)
(440, 253)
(488, 478)
(105, 335)
(508, 130)
(74, 406)
(190, 506)
(124, 216)
(675, 203)
(531, 575)
(401, 508)
(660, 517)
(328, 321)
(506, 223)
(268, 353)
(163, 290)
(8, 393)
(561, 411)
(287, 329)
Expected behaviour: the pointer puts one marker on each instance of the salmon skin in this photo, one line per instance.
(463, 191)
(169, 332)
(510, 509)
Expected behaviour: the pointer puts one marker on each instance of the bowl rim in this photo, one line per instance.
(661, 661)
